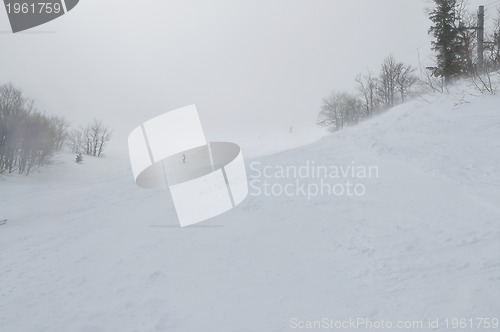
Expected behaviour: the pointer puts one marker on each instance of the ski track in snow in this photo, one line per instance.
(85, 250)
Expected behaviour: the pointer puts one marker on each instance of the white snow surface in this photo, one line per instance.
(85, 250)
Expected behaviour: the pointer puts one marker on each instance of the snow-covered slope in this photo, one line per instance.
(86, 250)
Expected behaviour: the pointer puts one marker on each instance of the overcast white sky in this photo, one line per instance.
(248, 65)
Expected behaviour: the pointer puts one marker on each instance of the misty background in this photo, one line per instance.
(251, 67)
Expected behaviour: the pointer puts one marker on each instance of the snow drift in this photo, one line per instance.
(422, 243)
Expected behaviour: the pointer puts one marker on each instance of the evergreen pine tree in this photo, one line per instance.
(448, 43)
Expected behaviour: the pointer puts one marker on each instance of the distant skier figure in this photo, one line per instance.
(79, 158)
(184, 158)
(291, 129)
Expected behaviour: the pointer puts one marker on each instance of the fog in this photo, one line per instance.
(250, 66)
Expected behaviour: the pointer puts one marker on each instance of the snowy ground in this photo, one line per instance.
(422, 243)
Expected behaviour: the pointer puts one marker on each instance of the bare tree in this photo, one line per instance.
(387, 86)
(405, 80)
(90, 140)
(483, 82)
(60, 128)
(428, 82)
(367, 87)
(76, 141)
(396, 82)
(28, 138)
(492, 49)
(339, 110)
(98, 135)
